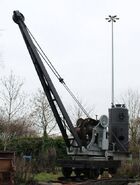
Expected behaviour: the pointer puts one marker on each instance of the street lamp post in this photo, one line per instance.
(112, 19)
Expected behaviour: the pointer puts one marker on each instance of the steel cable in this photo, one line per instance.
(61, 80)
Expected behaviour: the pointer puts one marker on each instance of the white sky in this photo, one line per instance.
(76, 37)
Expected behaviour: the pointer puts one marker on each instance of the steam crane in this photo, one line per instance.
(90, 147)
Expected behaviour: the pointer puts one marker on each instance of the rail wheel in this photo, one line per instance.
(87, 173)
(77, 172)
(112, 170)
(101, 171)
(66, 171)
(91, 173)
(96, 172)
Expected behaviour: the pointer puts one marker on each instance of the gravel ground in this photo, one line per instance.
(93, 182)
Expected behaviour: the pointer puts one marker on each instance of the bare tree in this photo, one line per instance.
(76, 112)
(132, 101)
(41, 114)
(12, 106)
(12, 98)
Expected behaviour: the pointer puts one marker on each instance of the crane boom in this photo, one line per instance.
(49, 89)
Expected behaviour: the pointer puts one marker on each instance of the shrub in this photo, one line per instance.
(129, 169)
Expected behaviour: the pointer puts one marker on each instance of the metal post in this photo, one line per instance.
(112, 19)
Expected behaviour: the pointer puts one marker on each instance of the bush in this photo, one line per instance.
(43, 151)
(34, 146)
(60, 147)
(23, 172)
(129, 169)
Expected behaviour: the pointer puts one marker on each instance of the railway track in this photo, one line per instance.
(108, 182)
(83, 181)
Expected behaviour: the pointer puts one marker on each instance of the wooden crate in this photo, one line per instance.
(7, 168)
(6, 165)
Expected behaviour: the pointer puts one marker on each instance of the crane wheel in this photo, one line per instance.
(66, 172)
(77, 172)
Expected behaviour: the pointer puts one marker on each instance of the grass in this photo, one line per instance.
(45, 177)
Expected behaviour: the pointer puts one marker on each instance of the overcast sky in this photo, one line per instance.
(77, 39)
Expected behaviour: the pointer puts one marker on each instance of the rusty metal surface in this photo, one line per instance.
(7, 168)
(5, 165)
